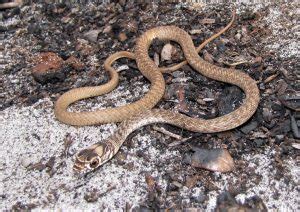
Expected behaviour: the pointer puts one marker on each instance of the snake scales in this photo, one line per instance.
(138, 114)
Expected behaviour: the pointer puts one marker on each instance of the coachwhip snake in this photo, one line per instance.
(139, 113)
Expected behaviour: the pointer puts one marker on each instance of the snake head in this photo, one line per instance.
(91, 158)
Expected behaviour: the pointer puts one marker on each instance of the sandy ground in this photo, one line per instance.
(36, 170)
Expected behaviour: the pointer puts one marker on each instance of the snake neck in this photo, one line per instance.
(132, 124)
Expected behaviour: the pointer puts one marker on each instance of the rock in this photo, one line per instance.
(122, 68)
(195, 31)
(238, 36)
(48, 67)
(26, 162)
(92, 35)
(107, 29)
(218, 160)
(208, 99)
(122, 36)
(249, 127)
(166, 52)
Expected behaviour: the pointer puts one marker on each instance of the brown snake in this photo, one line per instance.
(117, 114)
(139, 114)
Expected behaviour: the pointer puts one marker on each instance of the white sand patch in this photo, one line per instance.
(32, 134)
(285, 38)
(269, 186)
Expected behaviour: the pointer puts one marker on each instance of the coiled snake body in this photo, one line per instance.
(140, 112)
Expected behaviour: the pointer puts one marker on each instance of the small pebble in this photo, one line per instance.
(238, 36)
(92, 35)
(195, 31)
(166, 52)
(208, 99)
(218, 160)
(107, 29)
(48, 67)
(122, 37)
(26, 162)
(122, 68)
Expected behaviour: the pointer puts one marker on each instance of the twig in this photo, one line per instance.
(164, 131)
(176, 143)
(270, 78)
(237, 63)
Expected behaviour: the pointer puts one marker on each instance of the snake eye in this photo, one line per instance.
(94, 163)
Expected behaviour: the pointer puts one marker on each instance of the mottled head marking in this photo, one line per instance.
(91, 158)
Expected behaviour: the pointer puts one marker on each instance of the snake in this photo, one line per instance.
(117, 114)
(140, 113)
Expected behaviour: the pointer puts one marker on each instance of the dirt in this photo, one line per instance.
(150, 170)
